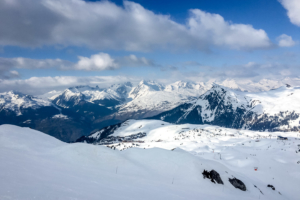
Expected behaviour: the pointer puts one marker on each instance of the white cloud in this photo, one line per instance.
(285, 41)
(98, 62)
(213, 28)
(104, 25)
(293, 8)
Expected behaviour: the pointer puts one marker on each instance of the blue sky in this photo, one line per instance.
(61, 43)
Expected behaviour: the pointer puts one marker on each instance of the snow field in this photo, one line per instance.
(34, 165)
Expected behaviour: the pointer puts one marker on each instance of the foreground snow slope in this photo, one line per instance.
(34, 165)
(226, 149)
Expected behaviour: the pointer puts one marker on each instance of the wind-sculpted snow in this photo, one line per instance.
(274, 110)
(36, 166)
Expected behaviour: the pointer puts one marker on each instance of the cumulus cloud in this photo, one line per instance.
(285, 41)
(97, 62)
(213, 28)
(293, 10)
(104, 25)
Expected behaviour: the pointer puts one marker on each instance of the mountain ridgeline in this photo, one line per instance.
(82, 110)
(274, 110)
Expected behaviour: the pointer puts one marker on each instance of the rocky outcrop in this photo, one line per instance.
(238, 184)
(213, 176)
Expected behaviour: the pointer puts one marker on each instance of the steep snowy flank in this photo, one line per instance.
(16, 101)
(274, 110)
(36, 166)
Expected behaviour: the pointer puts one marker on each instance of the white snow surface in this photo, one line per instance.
(34, 165)
(239, 151)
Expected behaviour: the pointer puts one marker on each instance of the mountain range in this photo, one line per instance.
(82, 110)
(274, 110)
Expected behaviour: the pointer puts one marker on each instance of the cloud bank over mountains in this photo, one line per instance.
(104, 25)
(96, 62)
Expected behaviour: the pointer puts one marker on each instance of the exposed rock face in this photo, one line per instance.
(238, 184)
(213, 176)
(216, 177)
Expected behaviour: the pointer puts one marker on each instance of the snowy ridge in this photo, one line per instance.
(148, 101)
(74, 95)
(150, 173)
(16, 101)
(274, 110)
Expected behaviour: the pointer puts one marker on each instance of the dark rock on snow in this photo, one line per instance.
(213, 176)
(238, 184)
(271, 186)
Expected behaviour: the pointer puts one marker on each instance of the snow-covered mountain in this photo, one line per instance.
(150, 98)
(84, 109)
(29, 111)
(168, 162)
(111, 96)
(18, 102)
(274, 110)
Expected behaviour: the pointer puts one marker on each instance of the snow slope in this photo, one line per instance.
(36, 166)
(238, 151)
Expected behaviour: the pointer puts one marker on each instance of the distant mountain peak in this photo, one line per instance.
(144, 87)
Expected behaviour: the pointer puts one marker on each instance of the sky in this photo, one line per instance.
(54, 44)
